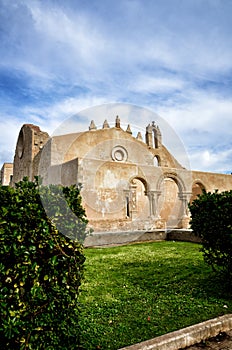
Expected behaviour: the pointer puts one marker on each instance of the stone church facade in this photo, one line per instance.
(128, 183)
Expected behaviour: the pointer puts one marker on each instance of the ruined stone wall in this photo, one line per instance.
(210, 182)
(127, 183)
(30, 142)
(6, 174)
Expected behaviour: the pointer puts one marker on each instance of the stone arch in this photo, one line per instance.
(172, 202)
(197, 189)
(142, 179)
(20, 143)
(179, 182)
(137, 199)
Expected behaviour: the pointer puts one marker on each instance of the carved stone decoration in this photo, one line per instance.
(133, 197)
(92, 126)
(117, 122)
(119, 154)
(139, 136)
(106, 124)
(128, 130)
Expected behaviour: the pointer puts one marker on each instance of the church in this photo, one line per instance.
(129, 182)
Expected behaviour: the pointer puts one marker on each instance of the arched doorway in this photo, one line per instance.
(170, 208)
(197, 189)
(171, 203)
(138, 202)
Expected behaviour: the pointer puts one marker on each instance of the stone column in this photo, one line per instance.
(153, 197)
(132, 204)
(184, 198)
(150, 199)
(155, 203)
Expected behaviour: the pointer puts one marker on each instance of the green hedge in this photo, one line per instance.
(211, 219)
(41, 268)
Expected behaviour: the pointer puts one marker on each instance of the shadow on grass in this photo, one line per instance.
(193, 275)
(137, 293)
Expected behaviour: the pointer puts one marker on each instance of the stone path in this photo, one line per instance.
(222, 342)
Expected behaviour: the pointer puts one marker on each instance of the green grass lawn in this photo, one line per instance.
(137, 292)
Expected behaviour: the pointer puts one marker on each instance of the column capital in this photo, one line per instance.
(184, 195)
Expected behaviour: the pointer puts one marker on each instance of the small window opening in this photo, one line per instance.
(127, 207)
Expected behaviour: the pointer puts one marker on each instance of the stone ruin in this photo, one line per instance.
(128, 182)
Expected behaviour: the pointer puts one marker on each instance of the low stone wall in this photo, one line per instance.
(187, 336)
(124, 237)
(100, 239)
(183, 235)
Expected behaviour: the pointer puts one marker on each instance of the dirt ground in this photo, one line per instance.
(222, 341)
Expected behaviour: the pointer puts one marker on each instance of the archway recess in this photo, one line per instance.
(138, 206)
(170, 206)
(197, 189)
(173, 199)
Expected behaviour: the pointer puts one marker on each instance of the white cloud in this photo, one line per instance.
(49, 118)
(57, 113)
(214, 161)
(83, 45)
(73, 34)
(151, 84)
(204, 123)
(203, 112)
(173, 57)
(10, 128)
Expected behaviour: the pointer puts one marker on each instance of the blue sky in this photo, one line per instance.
(173, 57)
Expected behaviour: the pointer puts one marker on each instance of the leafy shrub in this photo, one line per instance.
(41, 269)
(212, 221)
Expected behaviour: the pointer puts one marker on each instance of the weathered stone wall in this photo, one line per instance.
(6, 174)
(212, 181)
(30, 142)
(128, 184)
